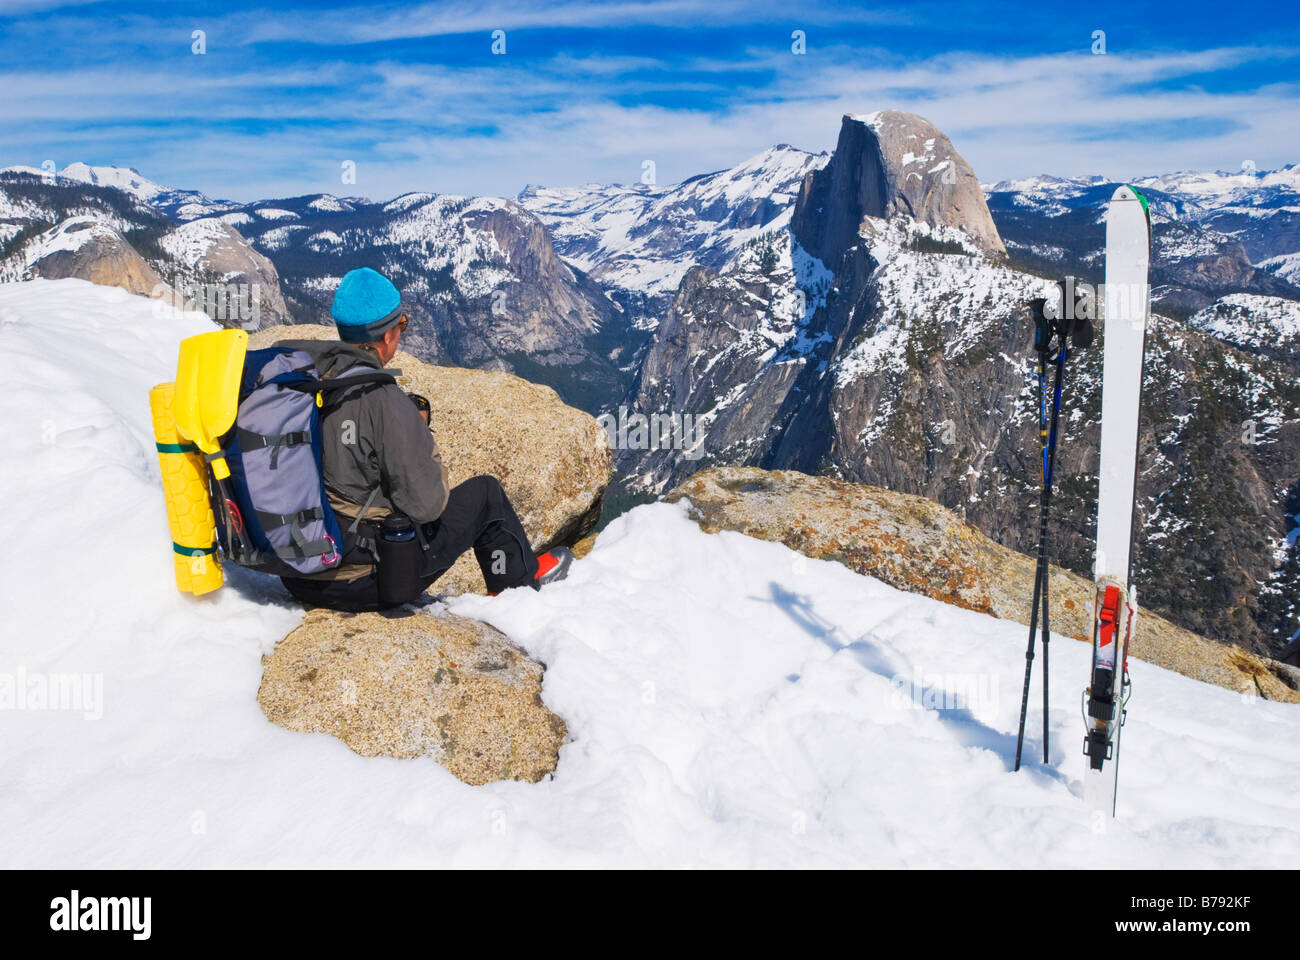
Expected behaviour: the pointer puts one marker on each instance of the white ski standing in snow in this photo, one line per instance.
(1126, 308)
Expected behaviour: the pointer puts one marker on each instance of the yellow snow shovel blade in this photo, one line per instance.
(207, 390)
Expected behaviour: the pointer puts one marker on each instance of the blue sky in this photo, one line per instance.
(414, 96)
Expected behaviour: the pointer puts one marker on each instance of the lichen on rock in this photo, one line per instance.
(420, 685)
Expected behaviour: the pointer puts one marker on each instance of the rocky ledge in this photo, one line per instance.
(916, 545)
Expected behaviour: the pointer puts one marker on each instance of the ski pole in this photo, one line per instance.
(1048, 440)
(1038, 567)
(1050, 468)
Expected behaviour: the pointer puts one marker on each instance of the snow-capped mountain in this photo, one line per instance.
(1214, 234)
(129, 180)
(644, 239)
(1192, 195)
(90, 248)
(484, 285)
(103, 224)
(215, 251)
(1248, 188)
(1265, 325)
(480, 276)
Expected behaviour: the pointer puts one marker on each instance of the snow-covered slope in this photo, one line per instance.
(1267, 325)
(1286, 266)
(739, 705)
(69, 236)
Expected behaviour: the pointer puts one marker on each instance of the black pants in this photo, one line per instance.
(478, 516)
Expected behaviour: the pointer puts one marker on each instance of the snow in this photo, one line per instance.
(967, 293)
(190, 242)
(406, 201)
(1286, 266)
(450, 233)
(19, 208)
(280, 237)
(126, 179)
(738, 706)
(324, 240)
(184, 205)
(1249, 320)
(25, 170)
(328, 204)
(68, 236)
(1192, 196)
(874, 120)
(1246, 187)
(276, 213)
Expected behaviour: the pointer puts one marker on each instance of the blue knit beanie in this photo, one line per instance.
(366, 305)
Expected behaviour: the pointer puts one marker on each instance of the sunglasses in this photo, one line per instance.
(402, 324)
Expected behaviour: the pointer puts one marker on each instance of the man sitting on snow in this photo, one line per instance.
(379, 460)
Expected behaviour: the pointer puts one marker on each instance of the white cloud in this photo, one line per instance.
(492, 128)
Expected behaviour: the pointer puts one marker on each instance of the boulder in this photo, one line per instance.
(424, 685)
(916, 545)
(87, 248)
(554, 461)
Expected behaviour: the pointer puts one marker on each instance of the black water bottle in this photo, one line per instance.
(399, 561)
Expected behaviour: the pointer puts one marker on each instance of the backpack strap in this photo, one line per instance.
(346, 380)
(333, 390)
(302, 547)
(248, 440)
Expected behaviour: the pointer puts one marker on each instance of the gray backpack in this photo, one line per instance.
(278, 518)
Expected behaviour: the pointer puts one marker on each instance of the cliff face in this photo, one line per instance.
(543, 308)
(213, 251)
(889, 164)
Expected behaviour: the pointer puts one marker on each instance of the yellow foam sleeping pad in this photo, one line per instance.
(185, 489)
